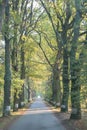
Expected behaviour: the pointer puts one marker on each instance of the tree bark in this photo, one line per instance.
(28, 92)
(15, 103)
(21, 95)
(64, 103)
(2, 12)
(56, 91)
(75, 92)
(74, 66)
(7, 78)
(14, 55)
(66, 25)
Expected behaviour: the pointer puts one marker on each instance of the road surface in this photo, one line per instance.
(38, 117)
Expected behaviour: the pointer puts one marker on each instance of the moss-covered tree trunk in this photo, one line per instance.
(28, 89)
(15, 69)
(15, 102)
(56, 91)
(65, 38)
(22, 75)
(28, 92)
(14, 55)
(2, 11)
(7, 78)
(74, 66)
(65, 97)
(75, 91)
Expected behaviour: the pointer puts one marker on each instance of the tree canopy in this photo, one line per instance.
(43, 52)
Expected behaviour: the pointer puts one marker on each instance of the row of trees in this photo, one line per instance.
(51, 36)
(17, 21)
(69, 26)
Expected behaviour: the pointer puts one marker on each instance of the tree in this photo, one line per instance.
(28, 24)
(7, 78)
(56, 67)
(14, 51)
(74, 64)
(2, 12)
(65, 29)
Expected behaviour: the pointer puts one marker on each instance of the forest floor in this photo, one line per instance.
(63, 117)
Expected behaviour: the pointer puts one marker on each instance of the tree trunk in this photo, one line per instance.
(21, 95)
(28, 90)
(15, 67)
(28, 93)
(75, 92)
(2, 11)
(15, 103)
(7, 78)
(64, 104)
(14, 55)
(56, 91)
(74, 66)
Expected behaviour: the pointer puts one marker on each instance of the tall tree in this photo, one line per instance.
(2, 12)
(66, 26)
(22, 74)
(25, 27)
(14, 53)
(56, 68)
(74, 64)
(7, 78)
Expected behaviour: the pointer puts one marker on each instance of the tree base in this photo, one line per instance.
(6, 113)
(75, 116)
(64, 108)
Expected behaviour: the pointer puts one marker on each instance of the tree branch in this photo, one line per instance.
(39, 43)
